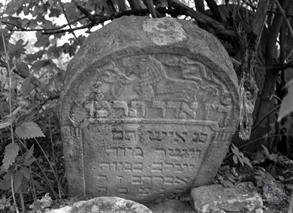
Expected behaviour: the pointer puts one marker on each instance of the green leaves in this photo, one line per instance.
(42, 40)
(14, 6)
(20, 173)
(11, 152)
(15, 50)
(27, 130)
(32, 57)
(71, 10)
(28, 157)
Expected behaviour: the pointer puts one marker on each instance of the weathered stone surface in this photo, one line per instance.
(148, 109)
(216, 198)
(103, 205)
(272, 190)
(172, 206)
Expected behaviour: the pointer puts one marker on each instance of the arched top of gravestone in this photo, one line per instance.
(134, 35)
(148, 109)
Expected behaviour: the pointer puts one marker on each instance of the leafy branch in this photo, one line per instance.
(178, 8)
(67, 19)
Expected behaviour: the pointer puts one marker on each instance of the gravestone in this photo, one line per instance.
(148, 109)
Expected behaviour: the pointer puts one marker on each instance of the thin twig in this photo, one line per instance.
(235, 62)
(20, 28)
(101, 19)
(264, 117)
(278, 13)
(180, 9)
(150, 6)
(13, 193)
(281, 67)
(215, 10)
(85, 12)
(202, 18)
(259, 20)
(42, 171)
(199, 5)
(285, 17)
(50, 32)
(265, 136)
(53, 170)
(22, 201)
(10, 86)
(51, 139)
(67, 19)
(287, 22)
(10, 107)
(290, 208)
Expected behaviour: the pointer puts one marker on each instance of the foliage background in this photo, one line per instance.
(39, 37)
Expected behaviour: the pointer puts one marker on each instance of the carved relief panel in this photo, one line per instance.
(146, 122)
(147, 115)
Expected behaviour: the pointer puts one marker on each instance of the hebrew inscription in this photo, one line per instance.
(148, 117)
(145, 91)
(150, 124)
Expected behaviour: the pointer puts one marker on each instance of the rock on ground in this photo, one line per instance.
(217, 199)
(103, 205)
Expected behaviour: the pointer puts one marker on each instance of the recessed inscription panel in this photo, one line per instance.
(164, 157)
(155, 87)
(147, 110)
(147, 122)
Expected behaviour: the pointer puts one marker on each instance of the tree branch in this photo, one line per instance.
(202, 18)
(95, 20)
(134, 4)
(26, 74)
(276, 12)
(101, 19)
(199, 5)
(270, 77)
(177, 9)
(282, 67)
(287, 22)
(20, 28)
(215, 10)
(150, 6)
(274, 32)
(259, 20)
(67, 19)
(85, 12)
(285, 17)
(121, 4)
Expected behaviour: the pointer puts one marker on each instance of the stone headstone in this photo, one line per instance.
(148, 109)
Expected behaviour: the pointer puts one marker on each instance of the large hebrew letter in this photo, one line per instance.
(135, 106)
(161, 105)
(121, 105)
(174, 105)
(188, 110)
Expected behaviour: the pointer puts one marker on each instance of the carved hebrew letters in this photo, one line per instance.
(152, 109)
(153, 98)
(156, 95)
(121, 105)
(140, 118)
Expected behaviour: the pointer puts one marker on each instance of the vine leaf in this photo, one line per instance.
(18, 180)
(10, 154)
(27, 86)
(42, 40)
(287, 103)
(29, 129)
